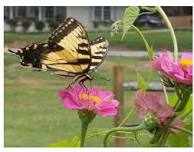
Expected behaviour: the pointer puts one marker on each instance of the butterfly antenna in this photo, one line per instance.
(12, 51)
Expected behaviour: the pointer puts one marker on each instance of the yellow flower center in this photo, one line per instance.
(94, 98)
(186, 62)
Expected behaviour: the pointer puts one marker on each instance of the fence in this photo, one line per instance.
(181, 21)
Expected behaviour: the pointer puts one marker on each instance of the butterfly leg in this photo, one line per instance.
(81, 79)
(84, 78)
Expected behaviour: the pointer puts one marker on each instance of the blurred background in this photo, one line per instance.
(34, 117)
(38, 21)
(93, 18)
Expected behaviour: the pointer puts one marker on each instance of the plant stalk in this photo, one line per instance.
(172, 33)
(84, 128)
(125, 129)
(182, 129)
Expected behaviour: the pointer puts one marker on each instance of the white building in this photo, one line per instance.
(89, 16)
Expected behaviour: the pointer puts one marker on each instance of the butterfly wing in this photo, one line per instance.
(98, 52)
(74, 56)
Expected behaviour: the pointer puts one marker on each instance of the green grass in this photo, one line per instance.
(159, 40)
(35, 117)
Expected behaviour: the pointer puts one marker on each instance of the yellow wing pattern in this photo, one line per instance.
(75, 55)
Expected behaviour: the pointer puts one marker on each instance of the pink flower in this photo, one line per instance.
(154, 103)
(93, 99)
(180, 71)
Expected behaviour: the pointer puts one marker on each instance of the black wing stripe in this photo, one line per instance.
(83, 45)
(79, 62)
(94, 63)
(84, 52)
(100, 52)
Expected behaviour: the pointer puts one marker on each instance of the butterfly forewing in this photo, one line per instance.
(75, 55)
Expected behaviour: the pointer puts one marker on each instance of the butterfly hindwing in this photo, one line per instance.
(98, 52)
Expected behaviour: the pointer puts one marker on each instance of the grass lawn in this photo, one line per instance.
(159, 40)
(35, 117)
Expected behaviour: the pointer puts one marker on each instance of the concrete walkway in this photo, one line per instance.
(127, 53)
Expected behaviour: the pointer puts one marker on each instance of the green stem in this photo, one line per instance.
(86, 118)
(127, 117)
(126, 129)
(172, 33)
(84, 128)
(156, 136)
(183, 102)
(164, 90)
(148, 48)
(182, 129)
(161, 133)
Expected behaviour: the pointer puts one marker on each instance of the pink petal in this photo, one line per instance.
(186, 56)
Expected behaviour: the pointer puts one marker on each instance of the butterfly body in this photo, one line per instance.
(68, 52)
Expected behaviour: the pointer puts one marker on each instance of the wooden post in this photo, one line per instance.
(119, 95)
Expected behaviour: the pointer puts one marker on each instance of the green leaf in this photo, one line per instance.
(150, 51)
(150, 72)
(179, 140)
(130, 15)
(173, 99)
(74, 142)
(142, 84)
(116, 26)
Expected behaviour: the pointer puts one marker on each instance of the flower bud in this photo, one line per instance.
(150, 120)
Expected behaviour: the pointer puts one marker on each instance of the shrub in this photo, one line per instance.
(53, 24)
(95, 24)
(26, 24)
(12, 23)
(39, 25)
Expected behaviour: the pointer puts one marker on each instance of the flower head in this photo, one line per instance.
(180, 71)
(92, 99)
(153, 103)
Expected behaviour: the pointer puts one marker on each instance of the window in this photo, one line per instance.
(60, 13)
(21, 11)
(49, 12)
(101, 13)
(107, 13)
(97, 13)
(6, 12)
